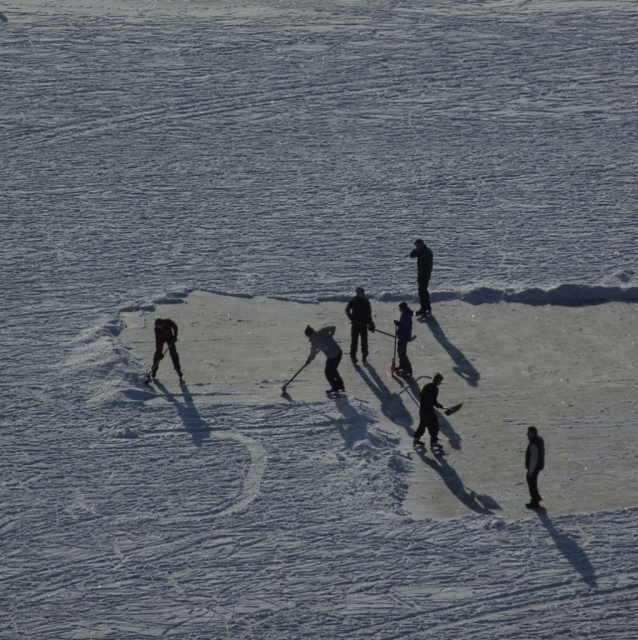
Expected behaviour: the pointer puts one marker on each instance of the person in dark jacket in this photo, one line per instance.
(404, 335)
(165, 333)
(534, 463)
(359, 313)
(428, 418)
(425, 261)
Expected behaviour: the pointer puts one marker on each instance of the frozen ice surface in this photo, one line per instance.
(293, 151)
(512, 366)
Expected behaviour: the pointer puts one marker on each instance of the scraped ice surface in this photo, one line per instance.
(569, 371)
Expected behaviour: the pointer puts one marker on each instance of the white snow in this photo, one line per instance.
(172, 157)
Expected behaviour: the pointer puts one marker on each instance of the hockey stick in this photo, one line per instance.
(155, 366)
(385, 333)
(393, 368)
(283, 389)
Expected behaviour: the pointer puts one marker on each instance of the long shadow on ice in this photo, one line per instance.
(355, 427)
(194, 424)
(464, 368)
(392, 406)
(472, 500)
(568, 546)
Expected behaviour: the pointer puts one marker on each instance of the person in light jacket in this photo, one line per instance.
(323, 341)
(534, 463)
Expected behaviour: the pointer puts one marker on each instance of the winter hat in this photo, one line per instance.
(360, 290)
(403, 305)
(309, 330)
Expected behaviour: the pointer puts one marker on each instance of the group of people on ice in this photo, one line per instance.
(359, 312)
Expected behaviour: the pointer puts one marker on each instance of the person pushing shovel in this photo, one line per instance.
(322, 340)
(427, 414)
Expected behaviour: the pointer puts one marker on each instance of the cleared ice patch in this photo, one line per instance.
(571, 371)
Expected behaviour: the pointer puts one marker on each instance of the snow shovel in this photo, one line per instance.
(283, 389)
(454, 409)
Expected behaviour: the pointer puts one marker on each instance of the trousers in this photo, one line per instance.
(332, 375)
(424, 294)
(356, 331)
(429, 421)
(532, 483)
(159, 355)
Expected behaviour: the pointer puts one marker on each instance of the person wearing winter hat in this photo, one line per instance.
(359, 313)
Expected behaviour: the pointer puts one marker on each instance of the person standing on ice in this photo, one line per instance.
(359, 313)
(165, 333)
(425, 262)
(404, 335)
(534, 463)
(322, 340)
(428, 418)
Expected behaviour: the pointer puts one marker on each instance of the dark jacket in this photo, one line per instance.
(166, 333)
(429, 398)
(425, 260)
(404, 328)
(359, 311)
(535, 454)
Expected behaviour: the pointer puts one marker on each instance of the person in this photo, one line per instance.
(425, 261)
(322, 340)
(428, 418)
(165, 333)
(404, 335)
(534, 463)
(359, 313)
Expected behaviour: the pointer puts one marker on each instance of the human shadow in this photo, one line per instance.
(193, 423)
(464, 368)
(568, 546)
(355, 426)
(448, 431)
(392, 406)
(476, 502)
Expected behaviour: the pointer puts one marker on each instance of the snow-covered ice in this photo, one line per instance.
(176, 157)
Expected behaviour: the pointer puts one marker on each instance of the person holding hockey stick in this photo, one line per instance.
(404, 335)
(359, 313)
(534, 463)
(425, 261)
(322, 340)
(428, 418)
(165, 333)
